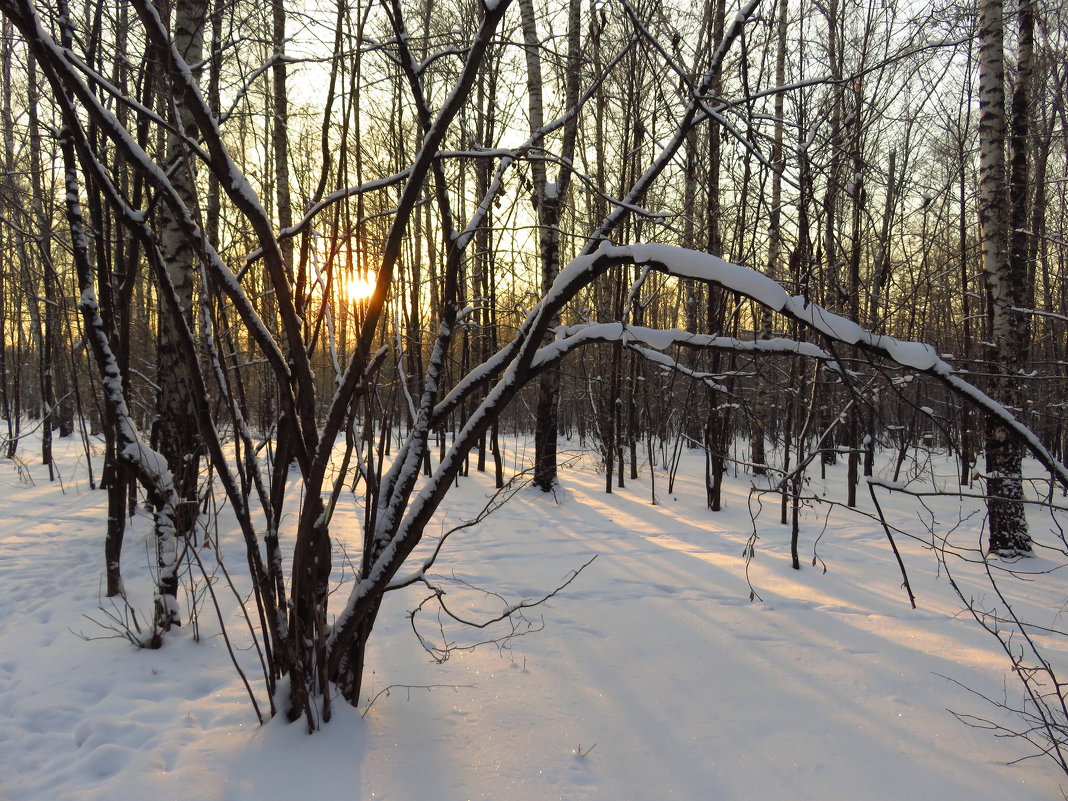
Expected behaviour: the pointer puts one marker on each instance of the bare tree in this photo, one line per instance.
(549, 198)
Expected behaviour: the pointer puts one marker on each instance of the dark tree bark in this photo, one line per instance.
(549, 204)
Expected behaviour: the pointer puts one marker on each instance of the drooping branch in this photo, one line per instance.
(681, 263)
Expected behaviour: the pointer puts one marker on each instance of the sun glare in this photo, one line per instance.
(358, 288)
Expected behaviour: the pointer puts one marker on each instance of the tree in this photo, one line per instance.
(1004, 276)
(549, 198)
(176, 430)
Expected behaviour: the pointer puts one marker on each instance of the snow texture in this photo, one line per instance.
(653, 663)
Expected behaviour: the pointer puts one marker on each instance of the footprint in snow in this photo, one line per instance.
(107, 760)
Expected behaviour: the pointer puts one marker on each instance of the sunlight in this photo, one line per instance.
(356, 287)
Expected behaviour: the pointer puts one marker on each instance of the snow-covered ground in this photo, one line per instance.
(652, 676)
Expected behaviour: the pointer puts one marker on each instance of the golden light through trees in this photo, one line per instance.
(356, 287)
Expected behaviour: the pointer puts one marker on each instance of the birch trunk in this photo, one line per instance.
(177, 424)
(1008, 522)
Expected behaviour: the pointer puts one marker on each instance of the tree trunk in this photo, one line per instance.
(548, 203)
(178, 438)
(1008, 522)
(760, 403)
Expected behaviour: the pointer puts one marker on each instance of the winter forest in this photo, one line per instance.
(351, 350)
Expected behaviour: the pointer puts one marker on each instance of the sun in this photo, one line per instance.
(357, 287)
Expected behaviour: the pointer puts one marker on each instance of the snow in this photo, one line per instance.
(653, 663)
(700, 266)
(676, 261)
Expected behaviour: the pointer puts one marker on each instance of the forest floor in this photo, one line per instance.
(651, 676)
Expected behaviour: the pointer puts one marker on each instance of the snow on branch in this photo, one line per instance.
(682, 263)
(650, 341)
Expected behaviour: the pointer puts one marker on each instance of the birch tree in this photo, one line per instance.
(1005, 290)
